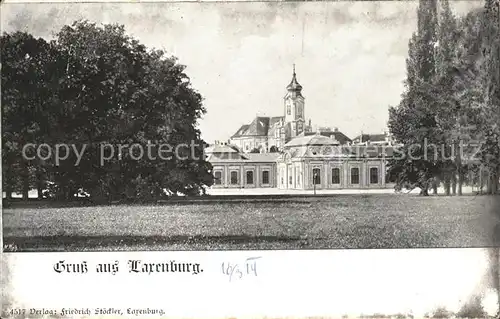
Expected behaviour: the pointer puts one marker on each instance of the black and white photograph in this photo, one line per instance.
(352, 145)
(256, 125)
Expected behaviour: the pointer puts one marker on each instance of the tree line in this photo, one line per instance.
(94, 84)
(451, 100)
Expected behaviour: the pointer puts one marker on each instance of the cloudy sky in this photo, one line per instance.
(349, 56)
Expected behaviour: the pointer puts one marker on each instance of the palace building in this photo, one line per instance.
(266, 133)
(283, 152)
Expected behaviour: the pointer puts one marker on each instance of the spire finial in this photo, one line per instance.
(294, 85)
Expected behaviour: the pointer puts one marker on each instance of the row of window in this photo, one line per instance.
(234, 177)
(354, 175)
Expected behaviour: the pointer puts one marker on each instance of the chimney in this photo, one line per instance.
(336, 129)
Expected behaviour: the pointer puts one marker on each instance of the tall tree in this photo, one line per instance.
(26, 92)
(451, 113)
(101, 87)
(413, 122)
(490, 80)
(126, 94)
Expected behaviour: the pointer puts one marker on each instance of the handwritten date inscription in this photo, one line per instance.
(235, 271)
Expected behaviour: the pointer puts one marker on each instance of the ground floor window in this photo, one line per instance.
(218, 177)
(354, 175)
(316, 176)
(265, 177)
(336, 175)
(249, 177)
(373, 175)
(234, 177)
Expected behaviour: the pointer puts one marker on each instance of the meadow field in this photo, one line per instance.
(337, 221)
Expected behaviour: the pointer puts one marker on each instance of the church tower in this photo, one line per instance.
(294, 108)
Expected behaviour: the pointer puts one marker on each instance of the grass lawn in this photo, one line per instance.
(340, 221)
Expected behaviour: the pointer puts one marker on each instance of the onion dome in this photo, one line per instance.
(294, 85)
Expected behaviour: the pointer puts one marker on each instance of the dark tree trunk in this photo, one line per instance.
(26, 188)
(39, 190)
(481, 179)
(424, 191)
(490, 188)
(454, 183)
(25, 182)
(494, 183)
(435, 184)
(460, 182)
(39, 183)
(447, 185)
(459, 173)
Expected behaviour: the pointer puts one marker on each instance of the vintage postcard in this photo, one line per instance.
(276, 159)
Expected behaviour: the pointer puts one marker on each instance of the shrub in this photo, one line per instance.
(472, 309)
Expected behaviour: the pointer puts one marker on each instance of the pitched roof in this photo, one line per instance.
(220, 149)
(275, 119)
(227, 154)
(316, 139)
(370, 137)
(241, 130)
(339, 136)
(259, 126)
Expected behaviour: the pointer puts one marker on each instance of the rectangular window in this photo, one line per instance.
(250, 177)
(234, 177)
(316, 176)
(336, 175)
(354, 175)
(265, 177)
(218, 177)
(373, 175)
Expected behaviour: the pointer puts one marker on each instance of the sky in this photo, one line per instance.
(349, 56)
